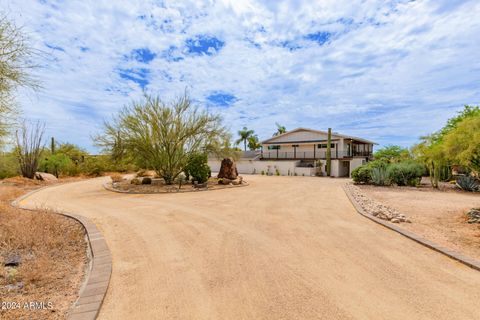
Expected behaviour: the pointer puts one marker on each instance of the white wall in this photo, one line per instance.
(355, 163)
(285, 167)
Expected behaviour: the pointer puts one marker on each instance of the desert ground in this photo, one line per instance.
(52, 256)
(280, 248)
(438, 215)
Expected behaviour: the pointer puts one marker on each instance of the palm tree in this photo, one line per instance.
(253, 143)
(244, 135)
(280, 129)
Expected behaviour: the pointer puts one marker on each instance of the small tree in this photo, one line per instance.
(164, 137)
(244, 134)
(462, 144)
(29, 147)
(392, 154)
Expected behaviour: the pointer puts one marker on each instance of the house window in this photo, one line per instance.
(324, 146)
(273, 147)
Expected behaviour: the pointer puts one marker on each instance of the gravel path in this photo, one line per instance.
(281, 248)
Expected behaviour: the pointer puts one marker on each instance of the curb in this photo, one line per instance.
(94, 290)
(472, 263)
(108, 186)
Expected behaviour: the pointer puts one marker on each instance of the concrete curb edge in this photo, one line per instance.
(97, 280)
(472, 263)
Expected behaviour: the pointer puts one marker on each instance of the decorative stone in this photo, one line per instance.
(157, 181)
(13, 260)
(228, 169)
(224, 181)
(136, 181)
(147, 180)
(43, 176)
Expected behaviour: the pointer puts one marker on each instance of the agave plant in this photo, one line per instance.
(380, 176)
(468, 183)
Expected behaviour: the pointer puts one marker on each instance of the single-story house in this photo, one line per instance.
(303, 152)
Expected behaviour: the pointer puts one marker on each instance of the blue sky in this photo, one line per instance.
(389, 71)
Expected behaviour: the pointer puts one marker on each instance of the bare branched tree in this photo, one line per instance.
(16, 62)
(29, 147)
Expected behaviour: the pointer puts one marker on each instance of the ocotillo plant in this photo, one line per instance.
(329, 152)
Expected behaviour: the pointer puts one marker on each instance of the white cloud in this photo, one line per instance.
(390, 70)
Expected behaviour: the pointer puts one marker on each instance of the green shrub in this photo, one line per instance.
(56, 164)
(468, 183)
(406, 173)
(197, 168)
(8, 165)
(362, 174)
(380, 176)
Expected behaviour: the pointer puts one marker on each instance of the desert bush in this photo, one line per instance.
(406, 173)
(380, 176)
(362, 174)
(197, 168)
(468, 183)
(8, 165)
(29, 147)
(55, 164)
(116, 177)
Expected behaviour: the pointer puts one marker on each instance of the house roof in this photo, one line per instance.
(275, 139)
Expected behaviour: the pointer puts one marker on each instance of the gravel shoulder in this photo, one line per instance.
(280, 248)
(436, 215)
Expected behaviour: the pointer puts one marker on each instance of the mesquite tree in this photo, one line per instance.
(29, 147)
(163, 137)
(16, 58)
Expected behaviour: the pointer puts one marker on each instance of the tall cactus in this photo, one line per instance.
(329, 152)
(52, 145)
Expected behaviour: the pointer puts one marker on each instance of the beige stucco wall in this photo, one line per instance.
(356, 162)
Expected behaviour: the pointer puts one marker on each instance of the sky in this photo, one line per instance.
(387, 71)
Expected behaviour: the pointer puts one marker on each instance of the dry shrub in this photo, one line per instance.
(52, 248)
(116, 177)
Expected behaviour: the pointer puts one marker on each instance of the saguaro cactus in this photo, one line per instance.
(329, 152)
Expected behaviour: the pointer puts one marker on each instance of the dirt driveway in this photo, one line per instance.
(281, 248)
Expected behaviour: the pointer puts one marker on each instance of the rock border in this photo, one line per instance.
(470, 262)
(109, 187)
(95, 286)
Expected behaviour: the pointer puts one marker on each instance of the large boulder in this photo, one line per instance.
(228, 169)
(43, 176)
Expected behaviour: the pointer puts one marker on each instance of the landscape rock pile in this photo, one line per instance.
(375, 208)
(473, 215)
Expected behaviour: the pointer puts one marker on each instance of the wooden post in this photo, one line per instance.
(329, 152)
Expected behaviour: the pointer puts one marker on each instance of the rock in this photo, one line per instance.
(228, 169)
(224, 181)
(136, 181)
(395, 220)
(200, 185)
(43, 176)
(157, 181)
(147, 180)
(16, 286)
(12, 260)
(236, 182)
